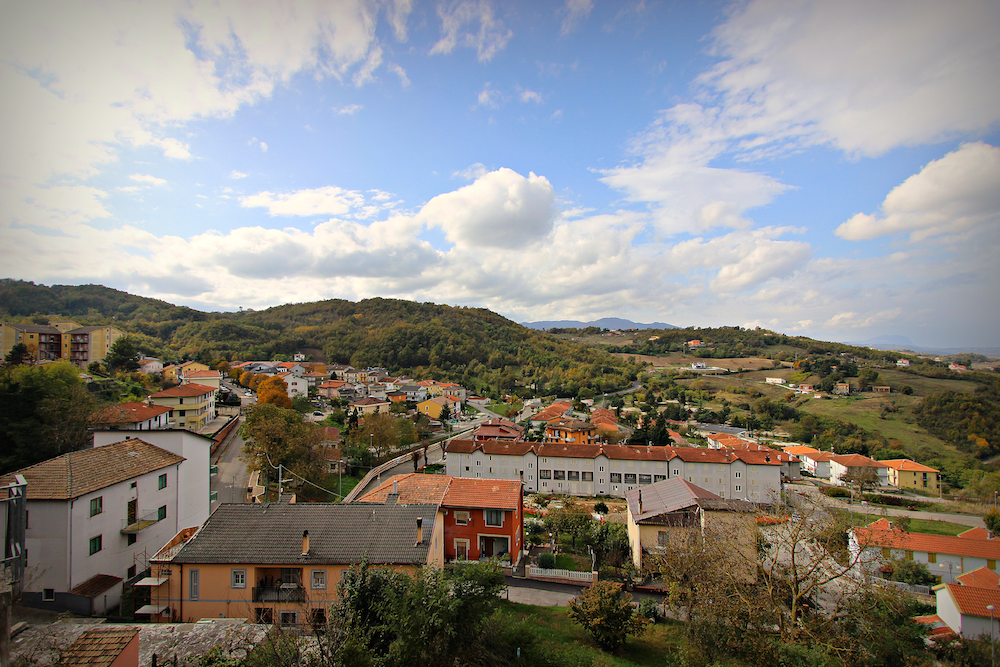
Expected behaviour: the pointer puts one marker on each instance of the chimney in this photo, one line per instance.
(149, 401)
(395, 486)
(767, 458)
(640, 501)
(305, 542)
(420, 529)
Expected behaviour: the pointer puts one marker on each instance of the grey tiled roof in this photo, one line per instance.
(338, 534)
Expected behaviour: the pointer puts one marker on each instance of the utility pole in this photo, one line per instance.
(280, 481)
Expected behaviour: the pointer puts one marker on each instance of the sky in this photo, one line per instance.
(820, 168)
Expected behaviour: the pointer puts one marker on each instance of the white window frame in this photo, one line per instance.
(462, 518)
(486, 516)
(317, 580)
(238, 578)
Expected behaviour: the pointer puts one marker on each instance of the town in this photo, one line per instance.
(212, 501)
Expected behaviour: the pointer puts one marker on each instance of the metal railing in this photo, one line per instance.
(145, 520)
(283, 593)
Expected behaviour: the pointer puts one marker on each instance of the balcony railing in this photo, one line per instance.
(282, 593)
(147, 519)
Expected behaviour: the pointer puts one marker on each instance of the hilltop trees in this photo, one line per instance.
(122, 356)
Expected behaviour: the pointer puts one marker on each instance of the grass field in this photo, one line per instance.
(661, 644)
(929, 526)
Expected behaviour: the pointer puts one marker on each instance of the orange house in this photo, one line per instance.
(281, 562)
(482, 517)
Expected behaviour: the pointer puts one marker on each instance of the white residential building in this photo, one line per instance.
(94, 518)
(593, 470)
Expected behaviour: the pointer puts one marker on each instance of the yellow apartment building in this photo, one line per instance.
(907, 474)
(191, 405)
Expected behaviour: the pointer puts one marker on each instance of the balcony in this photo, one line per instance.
(147, 519)
(280, 593)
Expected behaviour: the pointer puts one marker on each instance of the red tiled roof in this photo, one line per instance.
(202, 374)
(98, 647)
(484, 493)
(801, 449)
(185, 390)
(413, 489)
(977, 533)
(982, 577)
(973, 601)
(132, 412)
(907, 465)
(857, 461)
(882, 534)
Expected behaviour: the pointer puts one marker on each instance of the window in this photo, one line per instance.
(48, 595)
(659, 478)
(161, 483)
(318, 580)
(462, 518)
(573, 475)
(909, 555)
(738, 474)
(96, 544)
(317, 617)
(494, 517)
(161, 513)
(601, 481)
(662, 538)
(616, 478)
(289, 618)
(558, 474)
(588, 477)
(645, 479)
(237, 578)
(466, 468)
(931, 558)
(193, 578)
(739, 488)
(96, 505)
(131, 539)
(183, 413)
(263, 615)
(131, 572)
(544, 474)
(630, 478)
(531, 465)
(991, 563)
(677, 472)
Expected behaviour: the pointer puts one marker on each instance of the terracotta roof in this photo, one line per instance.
(977, 533)
(801, 449)
(79, 473)
(203, 374)
(817, 456)
(973, 601)
(410, 488)
(96, 585)
(495, 447)
(484, 493)
(129, 413)
(99, 647)
(907, 465)
(339, 533)
(881, 533)
(857, 461)
(185, 390)
(370, 401)
(982, 577)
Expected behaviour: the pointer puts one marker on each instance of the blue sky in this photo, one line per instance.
(828, 169)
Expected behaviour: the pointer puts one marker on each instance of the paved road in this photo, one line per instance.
(880, 510)
(231, 482)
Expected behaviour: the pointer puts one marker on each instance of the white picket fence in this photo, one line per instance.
(534, 571)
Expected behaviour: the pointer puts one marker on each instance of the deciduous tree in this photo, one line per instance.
(607, 614)
(274, 390)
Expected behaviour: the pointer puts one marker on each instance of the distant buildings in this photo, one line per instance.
(60, 340)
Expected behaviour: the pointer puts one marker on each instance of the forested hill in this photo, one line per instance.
(474, 346)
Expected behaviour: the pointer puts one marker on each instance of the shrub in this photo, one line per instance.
(601, 507)
(836, 492)
(547, 560)
(649, 609)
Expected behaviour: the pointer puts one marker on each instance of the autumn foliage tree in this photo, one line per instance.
(274, 390)
(245, 378)
(277, 436)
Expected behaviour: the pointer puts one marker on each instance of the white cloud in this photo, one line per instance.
(399, 12)
(459, 20)
(530, 96)
(237, 174)
(472, 172)
(146, 178)
(502, 209)
(349, 109)
(865, 77)
(404, 80)
(263, 147)
(489, 97)
(173, 148)
(952, 195)
(575, 11)
(329, 200)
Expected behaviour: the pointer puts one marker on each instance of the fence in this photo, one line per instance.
(561, 576)
(903, 586)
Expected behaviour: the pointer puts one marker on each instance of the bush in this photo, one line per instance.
(836, 492)
(547, 560)
(649, 609)
(601, 507)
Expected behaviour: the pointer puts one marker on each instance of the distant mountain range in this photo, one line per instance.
(902, 343)
(603, 323)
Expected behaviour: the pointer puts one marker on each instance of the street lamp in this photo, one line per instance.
(993, 650)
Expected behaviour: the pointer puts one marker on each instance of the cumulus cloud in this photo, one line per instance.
(574, 11)
(237, 174)
(530, 96)
(329, 200)
(489, 96)
(348, 109)
(146, 178)
(471, 23)
(399, 12)
(472, 172)
(502, 209)
(951, 195)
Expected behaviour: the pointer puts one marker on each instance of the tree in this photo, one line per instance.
(607, 614)
(18, 355)
(122, 356)
(992, 520)
(912, 572)
(274, 390)
(277, 436)
(861, 478)
(46, 411)
(246, 378)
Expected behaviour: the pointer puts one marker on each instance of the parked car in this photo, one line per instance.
(317, 414)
